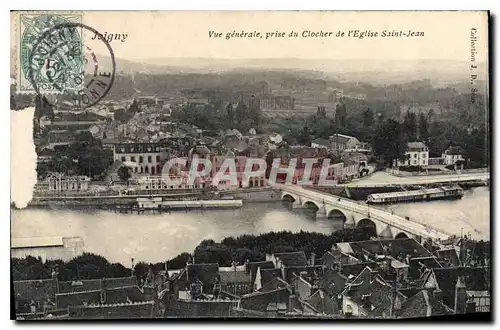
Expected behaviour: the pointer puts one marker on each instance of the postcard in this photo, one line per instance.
(260, 164)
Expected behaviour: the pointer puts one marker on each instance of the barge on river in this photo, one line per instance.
(416, 195)
(157, 204)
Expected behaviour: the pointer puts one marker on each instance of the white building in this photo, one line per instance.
(417, 154)
(452, 155)
(60, 182)
(147, 157)
(153, 183)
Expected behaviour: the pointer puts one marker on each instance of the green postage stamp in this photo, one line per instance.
(50, 52)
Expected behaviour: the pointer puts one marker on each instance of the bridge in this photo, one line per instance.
(354, 214)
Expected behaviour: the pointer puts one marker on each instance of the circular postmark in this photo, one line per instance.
(62, 60)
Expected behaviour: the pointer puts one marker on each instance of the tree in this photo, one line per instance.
(410, 126)
(423, 127)
(241, 111)
(367, 117)
(229, 114)
(304, 137)
(124, 173)
(390, 142)
(340, 115)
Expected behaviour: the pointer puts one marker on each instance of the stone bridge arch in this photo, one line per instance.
(369, 225)
(309, 204)
(288, 198)
(401, 234)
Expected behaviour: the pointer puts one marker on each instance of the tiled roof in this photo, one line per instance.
(313, 272)
(341, 138)
(259, 301)
(332, 283)
(289, 259)
(64, 300)
(235, 277)
(416, 146)
(206, 273)
(267, 274)
(253, 267)
(125, 294)
(417, 265)
(395, 247)
(321, 303)
(474, 278)
(34, 290)
(274, 284)
(114, 311)
(372, 292)
(423, 304)
(355, 269)
(86, 285)
(322, 142)
(450, 254)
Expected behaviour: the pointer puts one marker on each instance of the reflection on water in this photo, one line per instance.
(471, 214)
(158, 237)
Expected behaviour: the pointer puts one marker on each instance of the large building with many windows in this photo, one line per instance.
(417, 154)
(144, 158)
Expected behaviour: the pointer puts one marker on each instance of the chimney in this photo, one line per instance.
(290, 303)
(460, 296)
(247, 266)
(313, 258)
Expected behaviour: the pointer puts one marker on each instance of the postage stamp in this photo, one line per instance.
(57, 56)
(43, 61)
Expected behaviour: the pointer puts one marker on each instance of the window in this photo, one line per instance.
(149, 149)
(149, 159)
(157, 158)
(414, 162)
(424, 155)
(123, 159)
(132, 158)
(141, 159)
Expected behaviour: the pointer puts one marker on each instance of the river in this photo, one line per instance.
(158, 237)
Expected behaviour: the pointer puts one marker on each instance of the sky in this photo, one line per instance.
(160, 34)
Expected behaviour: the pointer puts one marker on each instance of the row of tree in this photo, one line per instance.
(85, 156)
(218, 115)
(381, 126)
(239, 249)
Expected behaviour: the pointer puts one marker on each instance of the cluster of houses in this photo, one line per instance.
(417, 155)
(146, 160)
(384, 278)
